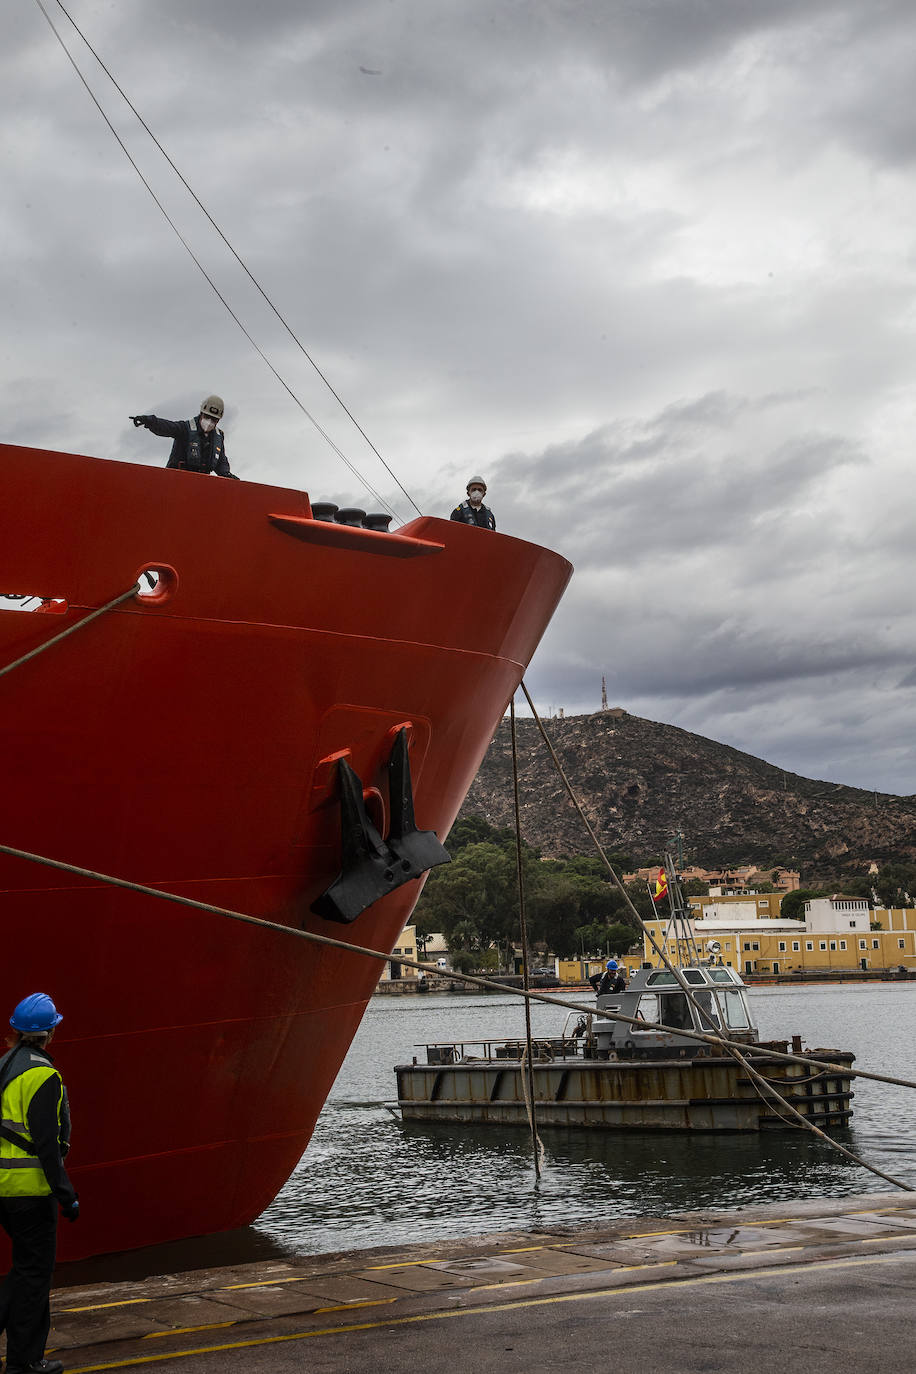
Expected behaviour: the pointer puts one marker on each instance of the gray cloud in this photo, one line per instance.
(649, 267)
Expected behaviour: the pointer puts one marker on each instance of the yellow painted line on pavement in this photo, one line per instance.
(507, 1283)
(656, 1264)
(99, 1306)
(266, 1283)
(493, 1254)
(184, 1330)
(481, 1311)
(406, 1264)
(363, 1302)
(526, 1249)
(716, 1226)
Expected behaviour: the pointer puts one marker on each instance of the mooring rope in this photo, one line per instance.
(488, 984)
(472, 979)
(736, 1052)
(71, 630)
(526, 1073)
(537, 1148)
(770, 1092)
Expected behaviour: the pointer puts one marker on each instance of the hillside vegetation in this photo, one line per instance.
(640, 782)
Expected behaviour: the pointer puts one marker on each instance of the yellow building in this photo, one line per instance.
(407, 945)
(761, 904)
(574, 972)
(836, 933)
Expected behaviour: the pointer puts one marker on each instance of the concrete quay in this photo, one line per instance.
(827, 1285)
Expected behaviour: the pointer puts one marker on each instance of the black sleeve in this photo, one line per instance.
(456, 514)
(166, 429)
(43, 1132)
(222, 464)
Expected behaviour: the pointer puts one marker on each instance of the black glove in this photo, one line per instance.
(72, 1210)
(139, 420)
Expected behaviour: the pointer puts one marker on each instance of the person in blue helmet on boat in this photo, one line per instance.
(198, 445)
(611, 978)
(34, 1138)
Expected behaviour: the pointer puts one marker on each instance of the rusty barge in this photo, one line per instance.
(606, 1074)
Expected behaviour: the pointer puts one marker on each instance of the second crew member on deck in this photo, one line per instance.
(473, 511)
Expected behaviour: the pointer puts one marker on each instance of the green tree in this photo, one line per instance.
(600, 939)
(894, 883)
(569, 899)
(469, 830)
(792, 906)
(473, 900)
(463, 961)
(647, 909)
(695, 887)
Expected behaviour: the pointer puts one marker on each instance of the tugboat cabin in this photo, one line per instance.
(655, 995)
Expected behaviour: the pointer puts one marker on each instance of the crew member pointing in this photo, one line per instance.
(197, 445)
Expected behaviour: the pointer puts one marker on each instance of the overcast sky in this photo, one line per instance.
(646, 265)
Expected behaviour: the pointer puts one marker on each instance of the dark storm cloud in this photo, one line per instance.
(648, 266)
(667, 487)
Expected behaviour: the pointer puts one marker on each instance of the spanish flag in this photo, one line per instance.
(661, 885)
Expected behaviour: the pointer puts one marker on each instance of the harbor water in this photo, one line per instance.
(367, 1179)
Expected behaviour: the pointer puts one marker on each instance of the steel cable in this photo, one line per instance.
(203, 271)
(528, 1068)
(473, 980)
(736, 1052)
(71, 629)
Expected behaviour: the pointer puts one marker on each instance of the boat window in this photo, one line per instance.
(735, 1009)
(720, 975)
(647, 1008)
(675, 1011)
(703, 998)
(662, 977)
(692, 975)
(576, 1025)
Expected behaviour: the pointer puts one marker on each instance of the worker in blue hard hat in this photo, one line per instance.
(34, 1138)
(611, 978)
(603, 981)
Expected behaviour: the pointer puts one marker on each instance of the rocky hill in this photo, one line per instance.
(640, 782)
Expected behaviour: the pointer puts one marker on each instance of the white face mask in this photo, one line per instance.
(206, 424)
(475, 496)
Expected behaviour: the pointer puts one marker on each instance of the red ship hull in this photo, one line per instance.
(187, 742)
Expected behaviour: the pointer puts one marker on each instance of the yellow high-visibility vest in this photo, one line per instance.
(21, 1174)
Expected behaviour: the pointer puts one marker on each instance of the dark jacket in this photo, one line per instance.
(192, 450)
(482, 517)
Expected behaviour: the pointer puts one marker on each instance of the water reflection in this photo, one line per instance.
(370, 1180)
(367, 1179)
